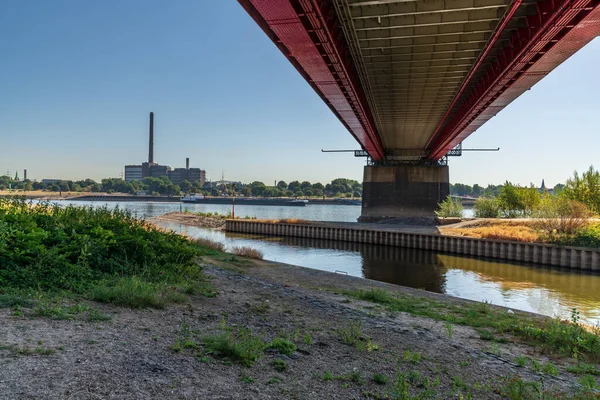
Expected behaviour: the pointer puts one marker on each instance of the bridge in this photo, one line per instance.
(411, 79)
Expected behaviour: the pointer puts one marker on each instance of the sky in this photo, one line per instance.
(79, 78)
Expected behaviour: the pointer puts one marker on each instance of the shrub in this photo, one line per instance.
(487, 207)
(585, 189)
(515, 201)
(49, 247)
(450, 208)
(561, 215)
(245, 251)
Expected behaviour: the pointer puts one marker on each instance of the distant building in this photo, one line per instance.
(179, 175)
(156, 171)
(133, 173)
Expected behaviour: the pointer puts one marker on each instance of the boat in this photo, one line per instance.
(192, 198)
(251, 201)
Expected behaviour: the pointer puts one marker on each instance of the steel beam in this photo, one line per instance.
(557, 31)
(305, 31)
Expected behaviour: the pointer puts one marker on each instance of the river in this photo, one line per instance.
(544, 290)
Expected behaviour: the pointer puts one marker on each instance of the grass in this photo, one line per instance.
(210, 244)
(108, 255)
(10, 300)
(327, 376)
(95, 315)
(380, 379)
(131, 292)
(350, 333)
(239, 346)
(559, 337)
(413, 357)
(59, 312)
(521, 361)
(284, 346)
(245, 251)
(279, 365)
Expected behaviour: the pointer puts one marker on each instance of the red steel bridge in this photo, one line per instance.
(411, 79)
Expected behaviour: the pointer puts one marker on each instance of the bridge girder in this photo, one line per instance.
(421, 75)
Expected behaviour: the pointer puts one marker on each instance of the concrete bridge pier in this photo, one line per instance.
(403, 191)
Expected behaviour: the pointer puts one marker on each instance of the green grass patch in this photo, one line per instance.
(284, 346)
(47, 248)
(560, 337)
(240, 346)
(380, 379)
(59, 311)
(279, 365)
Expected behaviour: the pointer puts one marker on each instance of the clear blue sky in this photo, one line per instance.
(78, 79)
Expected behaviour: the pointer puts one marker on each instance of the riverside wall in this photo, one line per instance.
(535, 253)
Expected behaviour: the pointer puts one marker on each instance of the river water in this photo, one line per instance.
(549, 291)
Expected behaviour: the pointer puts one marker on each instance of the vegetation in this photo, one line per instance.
(562, 337)
(450, 208)
(585, 189)
(339, 187)
(246, 251)
(106, 254)
(487, 207)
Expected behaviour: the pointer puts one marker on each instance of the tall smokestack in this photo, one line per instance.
(151, 144)
(187, 163)
(24, 174)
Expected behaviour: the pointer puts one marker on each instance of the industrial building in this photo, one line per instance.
(152, 169)
(179, 175)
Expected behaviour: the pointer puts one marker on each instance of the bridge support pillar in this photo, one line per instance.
(403, 191)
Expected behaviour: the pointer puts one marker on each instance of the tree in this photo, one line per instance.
(258, 188)
(305, 185)
(186, 186)
(318, 186)
(585, 189)
(282, 185)
(294, 186)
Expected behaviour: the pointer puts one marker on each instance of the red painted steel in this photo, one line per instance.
(497, 33)
(306, 34)
(558, 30)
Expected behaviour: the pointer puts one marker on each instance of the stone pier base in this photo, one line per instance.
(407, 191)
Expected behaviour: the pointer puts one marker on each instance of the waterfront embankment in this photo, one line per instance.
(426, 239)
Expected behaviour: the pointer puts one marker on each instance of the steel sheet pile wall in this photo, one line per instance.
(536, 253)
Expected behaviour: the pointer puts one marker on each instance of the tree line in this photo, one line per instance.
(340, 187)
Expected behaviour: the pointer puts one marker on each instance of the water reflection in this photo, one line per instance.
(550, 291)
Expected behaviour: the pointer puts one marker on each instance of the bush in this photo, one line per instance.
(585, 189)
(586, 237)
(561, 215)
(48, 247)
(487, 207)
(450, 208)
(515, 201)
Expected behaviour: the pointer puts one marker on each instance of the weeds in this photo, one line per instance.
(327, 376)
(58, 312)
(241, 346)
(95, 315)
(131, 292)
(413, 357)
(210, 244)
(284, 346)
(279, 365)
(249, 252)
(351, 333)
(561, 337)
(380, 379)
(521, 361)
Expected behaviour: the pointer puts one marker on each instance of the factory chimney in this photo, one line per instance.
(24, 174)
(151, 144)
(187, 163)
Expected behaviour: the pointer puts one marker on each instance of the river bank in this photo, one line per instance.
(333, 345)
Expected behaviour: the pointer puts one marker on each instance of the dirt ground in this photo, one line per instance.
(193, 220)
(132, 356)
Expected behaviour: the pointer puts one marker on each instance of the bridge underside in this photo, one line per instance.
(411, 79)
